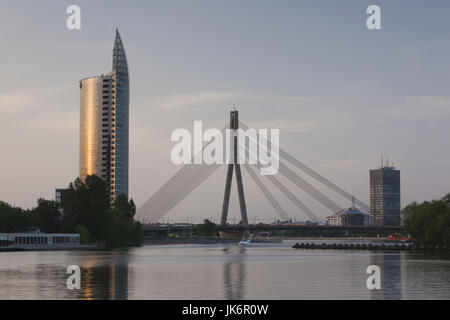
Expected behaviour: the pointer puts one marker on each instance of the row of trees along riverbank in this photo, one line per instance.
(87, 211)
(428, 223)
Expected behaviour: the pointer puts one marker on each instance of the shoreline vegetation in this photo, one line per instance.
(87, 211)
(428, 223)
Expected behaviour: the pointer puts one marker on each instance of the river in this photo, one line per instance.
(217, 271)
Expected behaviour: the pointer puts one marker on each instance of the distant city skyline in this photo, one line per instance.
(340, 94)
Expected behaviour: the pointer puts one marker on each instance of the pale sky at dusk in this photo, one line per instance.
(340, 94)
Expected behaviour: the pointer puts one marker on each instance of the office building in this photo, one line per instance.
(385, 196)
(104, 124)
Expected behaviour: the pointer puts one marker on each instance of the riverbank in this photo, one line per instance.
(189, 241)
(199, 240)
(207, 241)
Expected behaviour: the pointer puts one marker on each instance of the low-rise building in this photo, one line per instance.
(349, 217)
(36, 241)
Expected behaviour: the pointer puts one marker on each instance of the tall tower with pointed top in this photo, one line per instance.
(104, 124)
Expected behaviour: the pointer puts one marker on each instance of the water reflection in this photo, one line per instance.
(426, 274)
(212, 272)
(105, 278)
(391, 276)
(234, 272)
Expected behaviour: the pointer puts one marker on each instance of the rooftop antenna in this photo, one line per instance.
(353, 201)
(381, 161)
(387, 161)
(234, 107)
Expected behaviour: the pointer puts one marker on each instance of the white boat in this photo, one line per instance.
(245, 242)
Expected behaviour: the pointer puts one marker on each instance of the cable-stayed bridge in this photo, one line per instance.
(191, 176)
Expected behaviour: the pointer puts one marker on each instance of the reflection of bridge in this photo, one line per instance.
(190, 176)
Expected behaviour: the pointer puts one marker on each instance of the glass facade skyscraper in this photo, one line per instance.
(104, 124)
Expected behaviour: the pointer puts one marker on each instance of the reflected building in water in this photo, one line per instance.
(391, 276)
(105, 282)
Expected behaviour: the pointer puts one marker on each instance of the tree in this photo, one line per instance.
(207, 229)
(119, 229)
(47, 216)
(85, 236)
(428, 222)
(446, 199)
(87, 211)
(87, 204)
(408, 211)
(127, 207)
(14, 219)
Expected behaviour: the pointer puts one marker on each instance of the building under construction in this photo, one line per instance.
(385, 196)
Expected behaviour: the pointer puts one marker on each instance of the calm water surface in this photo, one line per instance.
(263, 271)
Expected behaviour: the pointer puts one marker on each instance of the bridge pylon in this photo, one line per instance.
(234, 125)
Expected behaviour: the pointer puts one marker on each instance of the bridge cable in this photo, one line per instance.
(308, 188)
(286, 156)
(275, 204)
(291, 196)
(177, 188)
(300, 182)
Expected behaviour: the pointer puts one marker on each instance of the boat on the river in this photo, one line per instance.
(245, 242)
(397, 237)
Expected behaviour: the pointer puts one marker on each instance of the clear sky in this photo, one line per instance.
(340, 94)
